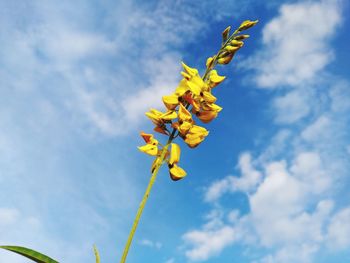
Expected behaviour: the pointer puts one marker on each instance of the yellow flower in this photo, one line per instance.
(176, 172)
(212, 107)
(182, 88)
(215, 79)
(149, 149)
(169, 115)
(184, 127)
(194, 82)
(208, 97)
(184, 114)
(195, 136)
(154, 115)
(171, 101)
(185, 121)
(151, 146)
(188, 70)
(207, 116)
(158, 117)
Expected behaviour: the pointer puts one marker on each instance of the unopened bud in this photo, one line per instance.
(247, 24)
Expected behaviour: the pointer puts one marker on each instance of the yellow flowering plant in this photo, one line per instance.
(190, 103)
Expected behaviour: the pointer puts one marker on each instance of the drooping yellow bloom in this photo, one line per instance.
(151, 146)
(184, 114)
(194, 82)
(176, 172)
(169, 115)
(154, 115)
(195, 136)
(215, 79)
(207, 116)
(208, 97)
(212, 107)
(171, 101)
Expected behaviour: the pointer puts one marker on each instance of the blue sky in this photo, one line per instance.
(269, 184)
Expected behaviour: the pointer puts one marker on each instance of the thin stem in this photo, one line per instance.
(145, 196)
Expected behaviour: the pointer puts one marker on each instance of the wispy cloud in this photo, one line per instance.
(296, 44)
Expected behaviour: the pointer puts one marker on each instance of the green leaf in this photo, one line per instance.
(31, 254)
(97, 255)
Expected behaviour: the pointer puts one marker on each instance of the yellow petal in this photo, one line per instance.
(184, 127)
(149, 149)
(212, 107)
(176, 173)
(184, 114)
(195, 89)
(189, 70)
(185, 75)
(154, 115)
(193, 140)
(182, 88)
(215, 79)
(197, 80)
(207, 116)
(169, 115)
(199, 131)
(208, 97)
(174, 154)
(247, 24)
(171, 101)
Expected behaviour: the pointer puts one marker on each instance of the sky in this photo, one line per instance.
(268, 185)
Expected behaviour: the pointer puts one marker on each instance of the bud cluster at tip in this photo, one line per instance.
(192, 100)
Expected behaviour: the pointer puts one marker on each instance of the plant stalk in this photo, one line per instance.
(145, 196)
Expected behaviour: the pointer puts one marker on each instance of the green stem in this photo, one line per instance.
(145, 196)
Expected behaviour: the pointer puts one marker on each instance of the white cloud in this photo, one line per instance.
(291, 107)
(208, 242)
(315, 130)
(339, 230)
(296, 43)
(248, 180)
